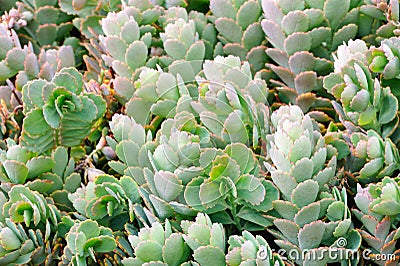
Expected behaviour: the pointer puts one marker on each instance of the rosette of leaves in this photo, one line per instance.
(240, 32)
(205, 239)
(107, 200)
(59, 112)
(302, 170)
(378, 208)
(374, 157)
(19, 246)
(247, 249)
(231, 104)
(46, 66)
(48, 175)
(23, 205)
(127, 37)
(384, 60)
(131, 144)
(364, 102)
(181, 43)
(85, 241)
(12, 54)
(154, 95)
(49, 25)
(189, 178)
(156, 245)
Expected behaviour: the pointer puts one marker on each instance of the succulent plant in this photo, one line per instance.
(181, 173)
(84, 240)
(46, 25)
(231, 104)
(378, 209)
(126, 52)
(249, 250)
(389, 25)
(374, 157)
(131, 145)
(157, 245)
(46, 66)
(205, 239)
(59, 112)
(364, 101)
(180, 42)
(23, 205)
(20, 246)
(240, 32)
(302, 171)
(107, 200)
(154, 95)
(384, 60)
(12, 54)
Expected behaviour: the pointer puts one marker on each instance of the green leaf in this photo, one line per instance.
(250, 189)
(136, 55)
(128, 151)
(38, 166)
(46, 34)
(107, 244)
(389, 109)
(229, 29)
(305, 193)
(175, 48)
(17, 172)
(310, 236)
(335, 14)
(248, 13)
(175, 250)
(296, 42)
(222, 8)
(168, 185)
(345, 34)
(208, 256)
(295, 21)
(149, 250)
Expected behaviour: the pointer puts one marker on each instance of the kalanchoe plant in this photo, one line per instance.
(247, 249)
(84, 240)
(126, 52)
(374, 157)
(59, 112)
(20, 246)
(12, 54)
(158, 245)
(182, 173)
(364, 101)
(154, 95)
(378, 209)
(231, 104)
(180, 41)
(240, 32)
(107, 200)
(302, 171)
(47, 26)
(46, 66)
(23, 205)
(205, 239)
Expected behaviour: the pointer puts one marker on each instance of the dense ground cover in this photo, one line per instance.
(228, 132)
